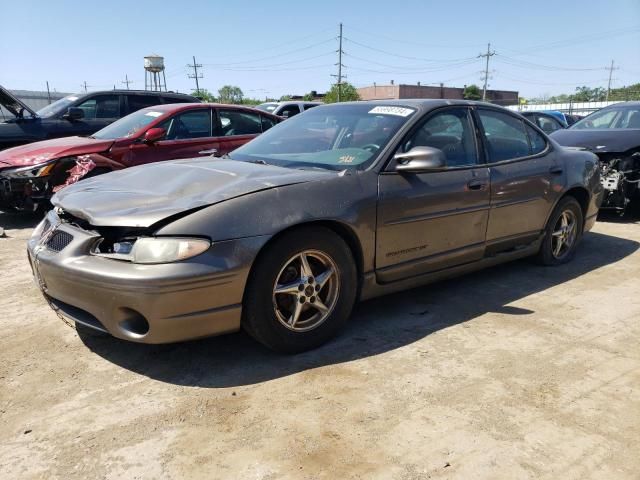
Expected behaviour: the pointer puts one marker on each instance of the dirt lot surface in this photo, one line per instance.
(515, 372)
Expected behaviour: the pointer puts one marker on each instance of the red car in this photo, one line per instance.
(30, 174)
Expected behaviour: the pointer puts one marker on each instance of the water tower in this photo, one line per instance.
(154, 78)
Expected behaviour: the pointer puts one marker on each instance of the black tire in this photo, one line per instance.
(546, 254)
(260, 319)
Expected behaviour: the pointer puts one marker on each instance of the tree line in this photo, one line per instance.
(595, 94)
(234, 95)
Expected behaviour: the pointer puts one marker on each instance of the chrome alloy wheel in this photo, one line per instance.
(306, 290)
(564, 234)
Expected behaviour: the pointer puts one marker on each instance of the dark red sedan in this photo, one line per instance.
(30, 174)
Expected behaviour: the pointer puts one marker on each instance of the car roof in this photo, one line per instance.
(424, 103)
(136, 92)
(176, 107)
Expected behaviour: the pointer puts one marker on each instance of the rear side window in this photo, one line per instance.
(307, 106)
(538, 143)
(267, 123)
(547, 124)
(136, 102)
(237, 122)
(289, 111)
(505, 135)
(175, 100)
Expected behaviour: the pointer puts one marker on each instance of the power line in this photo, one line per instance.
(271, 56)
(195, 75)
(347, 39)
(488, 55)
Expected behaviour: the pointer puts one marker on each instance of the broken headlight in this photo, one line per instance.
(32, 171)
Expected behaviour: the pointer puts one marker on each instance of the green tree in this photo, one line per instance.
(586, 94)
(311, 96)
(348, 93)
(230, 94)
(204, 95)
(472, 92)
(631, 92)
(285, 98)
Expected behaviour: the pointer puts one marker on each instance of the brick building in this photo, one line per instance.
(399, 91)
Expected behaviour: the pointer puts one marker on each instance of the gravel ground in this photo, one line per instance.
(516, 372)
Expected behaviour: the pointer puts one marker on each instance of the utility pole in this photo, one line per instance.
(127, 81)
(195, 75)
(486, 69)
(48, 93)
(339, 64)
(611, 69)
(84, 85)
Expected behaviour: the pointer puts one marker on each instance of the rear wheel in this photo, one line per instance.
(563, 233)
(301, 290)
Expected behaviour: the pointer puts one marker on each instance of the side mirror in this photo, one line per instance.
(154, 134)
(285, 114)
(420, 159)
(74, 113)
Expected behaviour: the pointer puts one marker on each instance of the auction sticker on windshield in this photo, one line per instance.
(153, 114)
(399, 111)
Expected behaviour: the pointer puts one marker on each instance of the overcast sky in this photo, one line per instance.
(289, 47)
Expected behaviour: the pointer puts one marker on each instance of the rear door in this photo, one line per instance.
(188, 135)
(525, 178)
(434, 220)
(235, 127)
(99, 111)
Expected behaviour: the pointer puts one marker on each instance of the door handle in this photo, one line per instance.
(211, 151)
(556, 170)
(476, 185)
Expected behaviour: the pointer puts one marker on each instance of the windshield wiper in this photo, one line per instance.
(259, 161)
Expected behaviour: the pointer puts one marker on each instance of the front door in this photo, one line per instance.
(188, 135)
(99, 111)
(525, 179)
(434, 220)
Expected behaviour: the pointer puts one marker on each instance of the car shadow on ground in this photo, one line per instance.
(376, 326)
(18, 220)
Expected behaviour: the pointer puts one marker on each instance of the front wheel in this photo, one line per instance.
(562, 234)
(301, 290)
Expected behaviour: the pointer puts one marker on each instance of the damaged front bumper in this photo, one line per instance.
(157, 303)
(24, 188)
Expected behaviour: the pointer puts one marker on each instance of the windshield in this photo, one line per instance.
(57, 107)
(129, 125)
(267, 107)
(331, 137)
(611, 117)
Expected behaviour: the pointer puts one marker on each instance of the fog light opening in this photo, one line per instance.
(134, 324)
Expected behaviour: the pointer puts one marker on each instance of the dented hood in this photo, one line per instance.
(39, 152)
(599, 140)
(144, 195)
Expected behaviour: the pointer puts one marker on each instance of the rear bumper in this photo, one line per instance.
(145, 303)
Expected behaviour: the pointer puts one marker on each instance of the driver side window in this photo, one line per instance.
(450, 131)
(191, 124)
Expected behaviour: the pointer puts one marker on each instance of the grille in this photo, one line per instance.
(59, 240)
